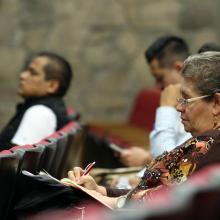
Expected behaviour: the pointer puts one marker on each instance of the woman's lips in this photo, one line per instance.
(183, 119)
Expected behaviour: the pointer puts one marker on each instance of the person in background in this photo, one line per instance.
(209, 46)
(199, 106)
(165, 57)
(43, 82)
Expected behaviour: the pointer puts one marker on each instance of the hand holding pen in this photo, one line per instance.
(80, 176)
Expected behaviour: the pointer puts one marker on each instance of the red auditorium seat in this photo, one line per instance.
(30, 157)
(9, 167)
(5, 152)
(75, 141)
(140, 122)
(73, 115)
(48, 156)
(69, 127)
(61, 140)
(144, 108)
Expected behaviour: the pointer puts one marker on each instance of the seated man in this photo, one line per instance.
(165, 57)
(43, 82)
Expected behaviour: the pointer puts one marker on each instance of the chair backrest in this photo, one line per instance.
(48, 155)
(61, 141)
(30, 157)
(144, 108)
(9, 165)
(72, 155)
(97, 149)
(72, 114)
(72, 125)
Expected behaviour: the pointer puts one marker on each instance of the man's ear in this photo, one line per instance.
(178, 65)
(216, 108)
(53, 86)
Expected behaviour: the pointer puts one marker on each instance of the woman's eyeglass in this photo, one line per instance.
(183, 101)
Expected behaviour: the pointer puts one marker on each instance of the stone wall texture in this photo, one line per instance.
(105, 42)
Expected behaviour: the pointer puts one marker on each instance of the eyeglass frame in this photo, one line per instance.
(184, 102)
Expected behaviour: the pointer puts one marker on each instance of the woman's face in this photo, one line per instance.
(197, 116)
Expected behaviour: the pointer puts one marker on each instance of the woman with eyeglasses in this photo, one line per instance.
(199, 106)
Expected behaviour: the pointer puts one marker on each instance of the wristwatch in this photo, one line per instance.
(121, 201)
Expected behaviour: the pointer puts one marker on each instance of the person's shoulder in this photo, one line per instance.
(39, 110)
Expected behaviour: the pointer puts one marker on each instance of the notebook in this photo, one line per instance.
(83, 192)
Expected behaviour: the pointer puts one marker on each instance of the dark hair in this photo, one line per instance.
(209, 47)
(167, 50)
(57, 68)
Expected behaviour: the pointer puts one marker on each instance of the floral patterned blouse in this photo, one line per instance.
(172, 167)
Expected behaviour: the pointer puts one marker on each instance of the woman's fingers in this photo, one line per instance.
(71, 176)
(75, 174)
(85, 180)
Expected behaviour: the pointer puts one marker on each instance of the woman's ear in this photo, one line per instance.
(53, 86)
(216, 109)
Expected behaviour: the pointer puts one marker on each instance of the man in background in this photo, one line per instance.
(43, 82)
(165, 58)
(209, 46)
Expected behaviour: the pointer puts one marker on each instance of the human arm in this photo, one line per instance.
(110, 201)
(164, 135)
(37, 123)
(135, 156)
(168, 131)
(88, 182)
(107, 195)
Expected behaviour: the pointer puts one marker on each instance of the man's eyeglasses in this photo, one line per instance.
(183, 101)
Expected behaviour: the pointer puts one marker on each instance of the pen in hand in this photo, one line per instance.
(88, 168)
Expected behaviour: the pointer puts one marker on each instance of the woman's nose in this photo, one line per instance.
(180, 108)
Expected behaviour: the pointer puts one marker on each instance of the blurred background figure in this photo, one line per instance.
(43, 82)
(165, 57)
(209, 46)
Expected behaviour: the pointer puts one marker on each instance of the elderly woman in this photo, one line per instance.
(200, 113)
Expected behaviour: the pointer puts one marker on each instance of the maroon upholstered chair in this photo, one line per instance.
(9, 167)
(144, 108)
(48, 155)
(75, 141)
(30, 157)
(61, 141)
(134, 131)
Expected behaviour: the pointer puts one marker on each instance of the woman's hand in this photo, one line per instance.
(86, 181)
